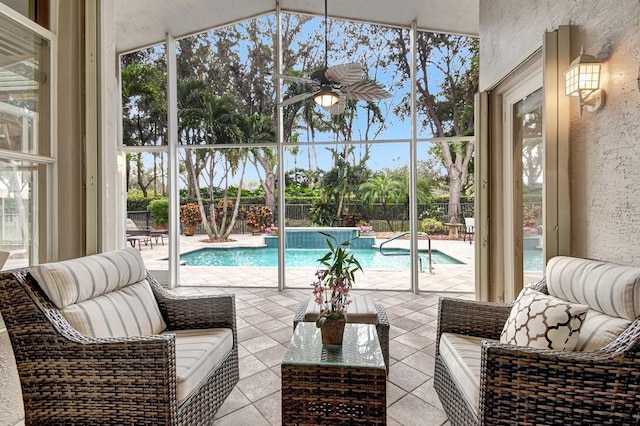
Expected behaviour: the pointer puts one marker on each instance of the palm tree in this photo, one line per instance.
(393, 188)
(260, 129)
(144, 116)
(191, 117)
(224, 124)
(384, 189)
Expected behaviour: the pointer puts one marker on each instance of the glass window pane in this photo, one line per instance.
(24, 89)
(36, 10)
(18, 210)
(236, 245)
(148, 207)
(528, 133)
(144, 97)
(224, 77)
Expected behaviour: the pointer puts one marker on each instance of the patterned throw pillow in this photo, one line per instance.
(542, 321)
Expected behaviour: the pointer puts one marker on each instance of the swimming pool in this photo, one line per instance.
(305, 258)
(532, 260)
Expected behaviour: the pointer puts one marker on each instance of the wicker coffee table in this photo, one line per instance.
(334, 384)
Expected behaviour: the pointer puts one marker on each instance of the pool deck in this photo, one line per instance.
(445, 278)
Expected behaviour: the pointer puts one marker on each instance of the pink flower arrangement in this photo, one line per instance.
(332, 285)
(334, 306)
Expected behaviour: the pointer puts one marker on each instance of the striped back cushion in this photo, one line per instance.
(606, 287)
(129, 311)
(103, 295)
(598, 330)
(77, 280)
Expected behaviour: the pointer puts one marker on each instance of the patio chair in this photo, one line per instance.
(139, 240)
(145, 234)
(98, 341)
(482, 378)
(469, 229)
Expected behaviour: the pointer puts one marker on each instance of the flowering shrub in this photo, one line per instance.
(365, 226)
(220, 211)
(273, 230)
(530, 216)
(257, 216)
(332, 285)
(529, 231)
(190, 214)
(431, 225)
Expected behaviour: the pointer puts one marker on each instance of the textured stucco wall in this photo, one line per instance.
(605, 146)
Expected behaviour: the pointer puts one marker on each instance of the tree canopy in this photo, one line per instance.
(227, 98)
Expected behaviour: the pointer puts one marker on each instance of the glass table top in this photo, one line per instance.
(360, 347)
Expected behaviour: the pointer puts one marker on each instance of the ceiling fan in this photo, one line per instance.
(331, 87)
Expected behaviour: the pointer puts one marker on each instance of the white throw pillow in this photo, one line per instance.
(542, 321)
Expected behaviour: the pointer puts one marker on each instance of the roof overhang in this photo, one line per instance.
(144, 23)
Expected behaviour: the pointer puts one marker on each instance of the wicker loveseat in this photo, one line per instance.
(144, 356)
(485, 382)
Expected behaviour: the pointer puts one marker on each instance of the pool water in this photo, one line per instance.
(532, 260)
(305, 258)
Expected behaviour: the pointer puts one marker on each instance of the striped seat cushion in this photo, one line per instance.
(462, 356)
(362, 310)
(103, 295)
(606, 287)
(198, 352)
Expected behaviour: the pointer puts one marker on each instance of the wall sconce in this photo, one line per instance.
(583, 80)
(325, 97)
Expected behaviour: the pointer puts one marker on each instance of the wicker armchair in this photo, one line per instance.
(70, 378)
(523, 385)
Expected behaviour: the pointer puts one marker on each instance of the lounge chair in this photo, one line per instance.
(139, 239)
(134, 230)
(469, 228)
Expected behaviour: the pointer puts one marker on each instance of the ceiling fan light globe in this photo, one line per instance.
(325, 97)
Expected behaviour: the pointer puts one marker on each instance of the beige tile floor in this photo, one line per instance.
(265, 318)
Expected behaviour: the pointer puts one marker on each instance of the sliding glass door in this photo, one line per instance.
(524, 177)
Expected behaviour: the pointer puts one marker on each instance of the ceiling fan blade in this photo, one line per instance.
(295, 79)
(344, 74)
(338, 107)
(296, 98)
(365, 92)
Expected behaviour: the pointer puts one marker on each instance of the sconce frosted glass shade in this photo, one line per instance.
(325, 97)
(583, 75)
